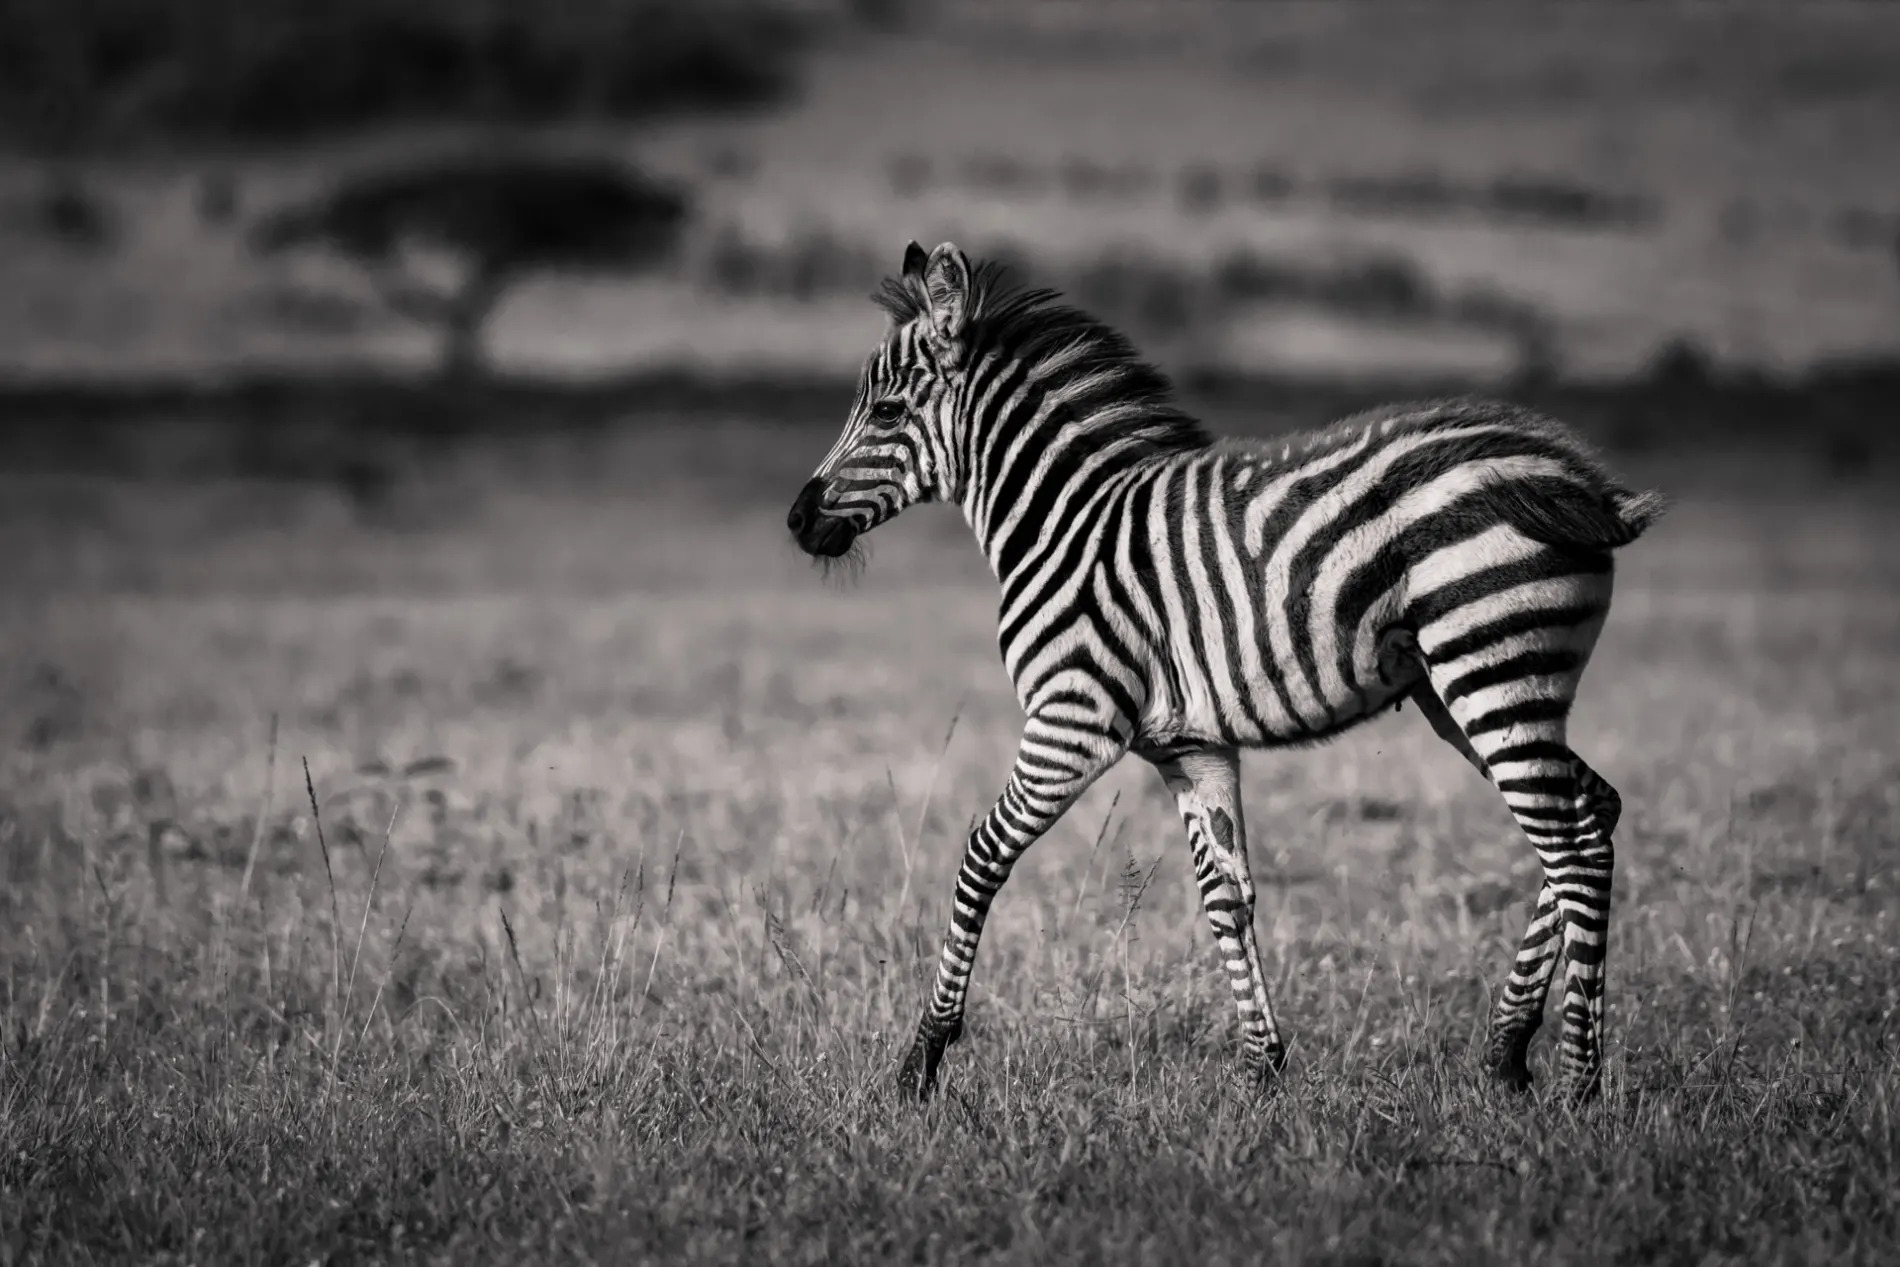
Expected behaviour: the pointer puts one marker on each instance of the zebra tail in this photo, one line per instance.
(1571, 516)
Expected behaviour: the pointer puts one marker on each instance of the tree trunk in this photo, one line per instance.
(468, 312)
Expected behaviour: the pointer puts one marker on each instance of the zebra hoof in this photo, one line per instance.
(1584, 1089)
(1256, 1079)
(1506, 1062)
(917, 1076)
(1511, 1075)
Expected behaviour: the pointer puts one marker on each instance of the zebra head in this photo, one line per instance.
(894, 449)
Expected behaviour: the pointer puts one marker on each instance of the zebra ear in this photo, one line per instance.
(914, 261)
(947, 283)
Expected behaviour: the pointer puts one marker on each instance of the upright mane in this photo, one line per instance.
(1035, 325)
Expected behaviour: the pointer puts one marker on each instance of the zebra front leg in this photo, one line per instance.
(1055, 765)
(1206, 787)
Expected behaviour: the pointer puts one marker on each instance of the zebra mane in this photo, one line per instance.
(1035, 325)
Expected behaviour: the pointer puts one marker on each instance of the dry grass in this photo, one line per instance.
(629, 975)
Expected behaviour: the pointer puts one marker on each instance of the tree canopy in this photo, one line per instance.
(508, 211)
(501, 215)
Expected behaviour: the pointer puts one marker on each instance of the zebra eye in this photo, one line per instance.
(889, 410)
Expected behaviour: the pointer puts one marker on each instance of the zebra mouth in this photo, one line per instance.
(818, 534)
(827, 538)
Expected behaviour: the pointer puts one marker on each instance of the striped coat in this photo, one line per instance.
(1183, 598)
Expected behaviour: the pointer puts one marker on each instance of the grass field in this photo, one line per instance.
(636, 839)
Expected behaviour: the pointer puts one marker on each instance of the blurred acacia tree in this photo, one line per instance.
(496, 217)
(92, 73)
(86, 76)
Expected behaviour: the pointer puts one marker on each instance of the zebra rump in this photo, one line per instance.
(1580, 509)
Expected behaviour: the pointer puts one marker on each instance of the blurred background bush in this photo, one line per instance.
(113, 72)
(638, 204)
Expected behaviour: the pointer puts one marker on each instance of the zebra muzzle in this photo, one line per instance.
(818, 533)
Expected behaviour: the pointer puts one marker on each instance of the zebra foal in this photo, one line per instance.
(1181, 598)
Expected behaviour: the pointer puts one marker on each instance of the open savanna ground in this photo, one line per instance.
(635, 842)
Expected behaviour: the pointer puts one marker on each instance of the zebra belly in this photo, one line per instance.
(1359, 690)
(1271, 694)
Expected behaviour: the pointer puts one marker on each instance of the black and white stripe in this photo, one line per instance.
(1183, 598)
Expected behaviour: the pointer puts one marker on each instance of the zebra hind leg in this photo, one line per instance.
(1588, 867)
(1206, 787)
(1571, 824)
(1569, 813)
(1520, 1009)
(1511, 705)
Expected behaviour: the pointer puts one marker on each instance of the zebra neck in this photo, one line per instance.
(1031, 488)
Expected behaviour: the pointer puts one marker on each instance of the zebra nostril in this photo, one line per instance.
(804, 512)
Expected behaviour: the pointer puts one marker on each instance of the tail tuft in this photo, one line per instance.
(1561, 513)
